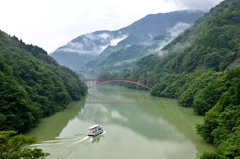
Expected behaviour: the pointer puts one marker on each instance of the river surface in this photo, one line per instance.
(136, 126)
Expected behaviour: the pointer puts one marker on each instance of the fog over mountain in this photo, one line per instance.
(93, 50)
(92, 43)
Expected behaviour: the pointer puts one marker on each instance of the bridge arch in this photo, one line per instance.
(118, 80)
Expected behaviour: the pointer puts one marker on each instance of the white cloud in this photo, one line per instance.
(173, 33)
(52, 23)
(177, 29)
(114, 42)
(190, 4)
(124, 62)
(89, 41)
(102, 48)
(105, 36)
(77, 46)
(116, 115)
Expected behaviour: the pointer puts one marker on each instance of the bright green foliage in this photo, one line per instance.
(14, 146)
(209, 155)
(169, 86)
(184, 87)
(209, 95)
(32, 85)
(198, 81)
(18, 111)
(222, 124)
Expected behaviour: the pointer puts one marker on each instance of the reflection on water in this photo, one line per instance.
(97, 100)
(152, 128)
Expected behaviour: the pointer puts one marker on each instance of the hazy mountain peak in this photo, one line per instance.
(92, 43)
(87, 47)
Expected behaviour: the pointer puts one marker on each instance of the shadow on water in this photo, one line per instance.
(96, 139)
(50, 127)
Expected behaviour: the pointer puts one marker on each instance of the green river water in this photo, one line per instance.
(136, 125)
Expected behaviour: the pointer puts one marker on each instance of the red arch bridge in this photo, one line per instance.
(138, 81)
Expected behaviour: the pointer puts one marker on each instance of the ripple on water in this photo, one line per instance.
(68, 147)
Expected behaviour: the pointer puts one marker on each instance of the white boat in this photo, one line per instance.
(95, 130)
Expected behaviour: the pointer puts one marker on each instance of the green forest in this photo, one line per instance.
(32, 86)
(201, 69)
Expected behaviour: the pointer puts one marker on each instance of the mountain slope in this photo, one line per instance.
(87, 47)
(32, 85)
(212, 42)
(215, 46)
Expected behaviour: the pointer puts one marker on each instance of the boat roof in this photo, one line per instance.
(94, 126)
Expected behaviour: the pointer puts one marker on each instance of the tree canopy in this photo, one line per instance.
(13, 146)
(32, 85)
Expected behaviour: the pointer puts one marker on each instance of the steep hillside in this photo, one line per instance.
(222, 123)
(32, 85)
(211, 43)
(215, 46)
(86, 47)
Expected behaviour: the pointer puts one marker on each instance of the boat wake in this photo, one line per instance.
(72, 147)
(85, 138)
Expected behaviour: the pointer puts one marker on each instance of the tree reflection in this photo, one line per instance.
(96, 139)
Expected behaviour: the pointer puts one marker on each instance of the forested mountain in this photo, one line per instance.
(211, 43)
(201, 46)
(201, 69)
(144, 37)
(32, 85)
(104, 47)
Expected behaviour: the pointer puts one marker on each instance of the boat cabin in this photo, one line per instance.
(95, 130)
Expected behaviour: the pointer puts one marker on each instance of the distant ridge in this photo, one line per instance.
(87, 47)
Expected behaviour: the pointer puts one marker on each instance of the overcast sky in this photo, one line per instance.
(53, 23)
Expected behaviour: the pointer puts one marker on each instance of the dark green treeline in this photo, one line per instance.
(32, 85)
